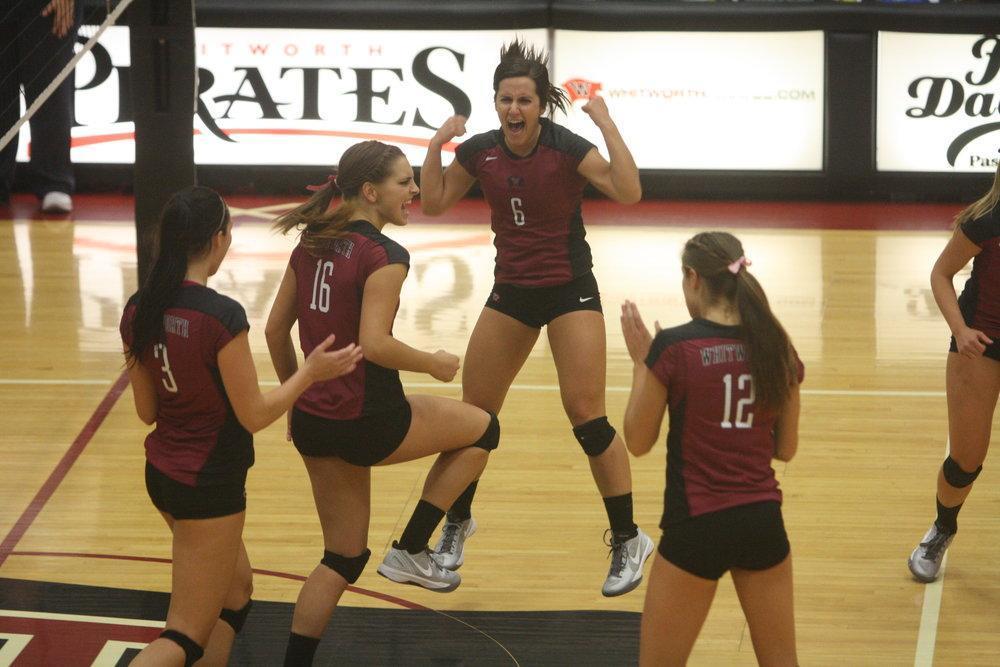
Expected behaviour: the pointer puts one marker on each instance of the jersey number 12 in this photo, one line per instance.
(744, 417)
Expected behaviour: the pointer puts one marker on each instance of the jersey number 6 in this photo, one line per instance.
(515, 207)
(321, 290)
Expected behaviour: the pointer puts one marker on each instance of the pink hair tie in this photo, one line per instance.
(734, 268)
(329, 179)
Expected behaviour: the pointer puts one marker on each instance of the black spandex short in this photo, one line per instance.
(537, 306)
(992, 350)
(195, 502)
(748, 537)
(362, 442)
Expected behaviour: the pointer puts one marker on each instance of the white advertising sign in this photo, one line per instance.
(937, 102)
(300, 97)
(702, 100)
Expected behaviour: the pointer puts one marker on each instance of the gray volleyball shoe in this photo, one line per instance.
(627, 558)
(420, 569)
(450, 549)
(925, 561)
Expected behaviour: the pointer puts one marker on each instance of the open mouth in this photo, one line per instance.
(515, 126)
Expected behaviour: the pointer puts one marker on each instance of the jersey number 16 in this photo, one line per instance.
(321, 290)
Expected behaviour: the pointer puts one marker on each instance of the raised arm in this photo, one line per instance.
(439, 190)
(378, 310)
(619, 178)
(648, 399)
(256, 410)
(958, 252)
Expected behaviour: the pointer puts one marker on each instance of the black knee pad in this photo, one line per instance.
(955, 476)
(595, 436)
(236, 617)
(490, 439)
(348, 568)
(192, 652)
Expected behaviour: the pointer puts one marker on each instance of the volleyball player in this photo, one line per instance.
(192, 375)
(345, 276)
(972, 375)
(532, 173)
(730, 378)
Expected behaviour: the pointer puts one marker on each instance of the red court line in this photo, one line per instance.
(22, 525)
(270, 573)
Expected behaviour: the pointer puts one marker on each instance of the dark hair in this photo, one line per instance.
(187, 224)
(769, 350)
(519, 59)
(365, 162)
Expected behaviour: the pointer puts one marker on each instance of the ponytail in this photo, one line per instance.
(187, 224)
(719, 259)
(365, 162)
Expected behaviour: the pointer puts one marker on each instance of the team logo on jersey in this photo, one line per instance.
(581, 89)
(515, 181)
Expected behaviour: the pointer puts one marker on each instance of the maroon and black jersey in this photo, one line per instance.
(720, 444)
(535, 204)
(197, 440)
(980, 299)
(330, 288)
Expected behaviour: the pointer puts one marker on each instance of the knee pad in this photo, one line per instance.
(236, 617)
(192, 652)
(955, 476)
(348, 568)
(595, 436)
(490, 439)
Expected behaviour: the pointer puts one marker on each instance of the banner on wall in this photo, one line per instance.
(937, 106)
(701, 100)
(300, 97)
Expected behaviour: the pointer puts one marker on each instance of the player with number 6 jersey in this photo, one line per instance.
(533, 172)
(730, 379)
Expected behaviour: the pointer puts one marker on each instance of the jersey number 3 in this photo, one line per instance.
(160, 352)
(744, 416)
(321, 290)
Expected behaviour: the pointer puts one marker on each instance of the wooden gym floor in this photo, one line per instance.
(85, 558)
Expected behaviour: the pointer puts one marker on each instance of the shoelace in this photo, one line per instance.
(618, 552)
(450, 537)
(933, 546)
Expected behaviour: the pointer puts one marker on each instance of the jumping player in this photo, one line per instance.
(972, 375)
(730, 378)
(532, 173)
(192, 375)
(345, 276)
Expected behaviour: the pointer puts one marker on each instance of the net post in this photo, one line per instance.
(163, 96)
